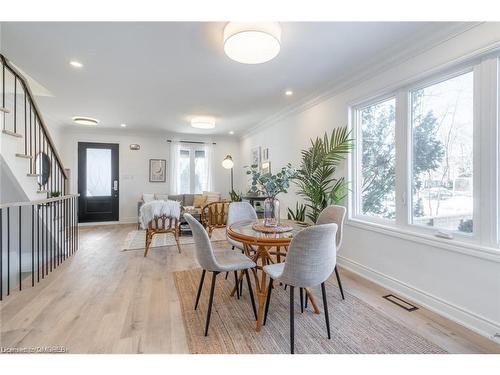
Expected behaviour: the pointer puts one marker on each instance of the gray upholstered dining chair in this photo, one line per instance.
(239, 211)
(334, 214)
(227, 261)
(310, 261)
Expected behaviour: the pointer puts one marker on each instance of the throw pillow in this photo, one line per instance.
(199, 200)
(161, 197)
(148, 197)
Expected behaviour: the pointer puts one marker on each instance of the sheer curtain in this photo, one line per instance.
(175, 149)
(209, 154)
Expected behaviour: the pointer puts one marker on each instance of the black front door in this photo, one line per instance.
(98, 182)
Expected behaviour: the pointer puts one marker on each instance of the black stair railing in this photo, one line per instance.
(22, 119)
(35, 239)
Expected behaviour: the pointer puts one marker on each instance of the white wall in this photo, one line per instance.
(134, 165)
(462, 285)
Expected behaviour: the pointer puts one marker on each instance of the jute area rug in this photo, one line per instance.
(135, 240)
(356, 327)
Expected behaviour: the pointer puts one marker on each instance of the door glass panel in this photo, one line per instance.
(98, 172)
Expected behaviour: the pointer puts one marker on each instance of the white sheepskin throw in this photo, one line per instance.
(154, 209)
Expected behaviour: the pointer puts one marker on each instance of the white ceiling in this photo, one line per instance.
(153, 76)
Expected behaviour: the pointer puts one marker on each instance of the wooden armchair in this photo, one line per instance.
(214, 215)
(159, 225)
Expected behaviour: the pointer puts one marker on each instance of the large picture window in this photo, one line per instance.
(442, 157)
(426, 158)
(378, 159)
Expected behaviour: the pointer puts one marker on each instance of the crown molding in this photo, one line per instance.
(391, 57)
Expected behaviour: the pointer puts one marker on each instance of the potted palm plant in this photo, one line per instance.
(315, 176)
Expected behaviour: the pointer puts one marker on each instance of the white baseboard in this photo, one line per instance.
(472, 321)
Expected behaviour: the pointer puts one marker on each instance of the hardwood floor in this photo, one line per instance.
(105, 300)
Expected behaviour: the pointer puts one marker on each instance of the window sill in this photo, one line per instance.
(475, 250)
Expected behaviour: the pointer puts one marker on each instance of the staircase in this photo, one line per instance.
(38, 218)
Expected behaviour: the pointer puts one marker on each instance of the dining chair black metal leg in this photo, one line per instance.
(338, 281)
(292, 325)
(325, 307)
(268, 299)
(241, 287)
(237, 284)
(199, 289)
(227, 274)
(210, 301)
(250, 290)
(307, 298)
(232, 247)
(285, 286)
(301, 293)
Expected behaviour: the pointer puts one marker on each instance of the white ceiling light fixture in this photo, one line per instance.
(231, 132)
(123, 125)
(252, 43)
(288, 92)
(203, 122)
(81, 120)
(76, 64)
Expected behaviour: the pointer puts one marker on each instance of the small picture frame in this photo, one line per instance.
(256, 157)
(157, 170)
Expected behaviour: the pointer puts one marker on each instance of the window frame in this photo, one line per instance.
(486, 145)
(433, 80)
(192, 148)
(357, 158)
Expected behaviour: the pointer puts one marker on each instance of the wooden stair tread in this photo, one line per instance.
(33, 175)
(12, 134)
(42, 191)
(4, 110)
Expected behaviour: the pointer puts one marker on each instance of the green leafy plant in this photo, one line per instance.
(55, 194)
(299, 214)
(315, 177)
(271, 184)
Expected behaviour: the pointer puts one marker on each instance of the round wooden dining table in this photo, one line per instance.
(265, 248)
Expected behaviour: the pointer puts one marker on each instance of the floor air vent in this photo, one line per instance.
(400, 302)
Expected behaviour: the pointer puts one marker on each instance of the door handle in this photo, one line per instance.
(115, 185)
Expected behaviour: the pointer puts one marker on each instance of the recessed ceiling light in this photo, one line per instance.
(85, 120)
(252, 43)
(231, 132)
(123, 125)
(203, 122)
(76, 64)
(288, 92)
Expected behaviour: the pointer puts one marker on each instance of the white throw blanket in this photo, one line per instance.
(154, 209)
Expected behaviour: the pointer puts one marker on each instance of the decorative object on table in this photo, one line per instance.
(256, 156)
(299, 214)
(315, 175)
(266, 167)
(271, 185)
(157, 170)
(228, 163)
(135, 147)
(261, 227)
